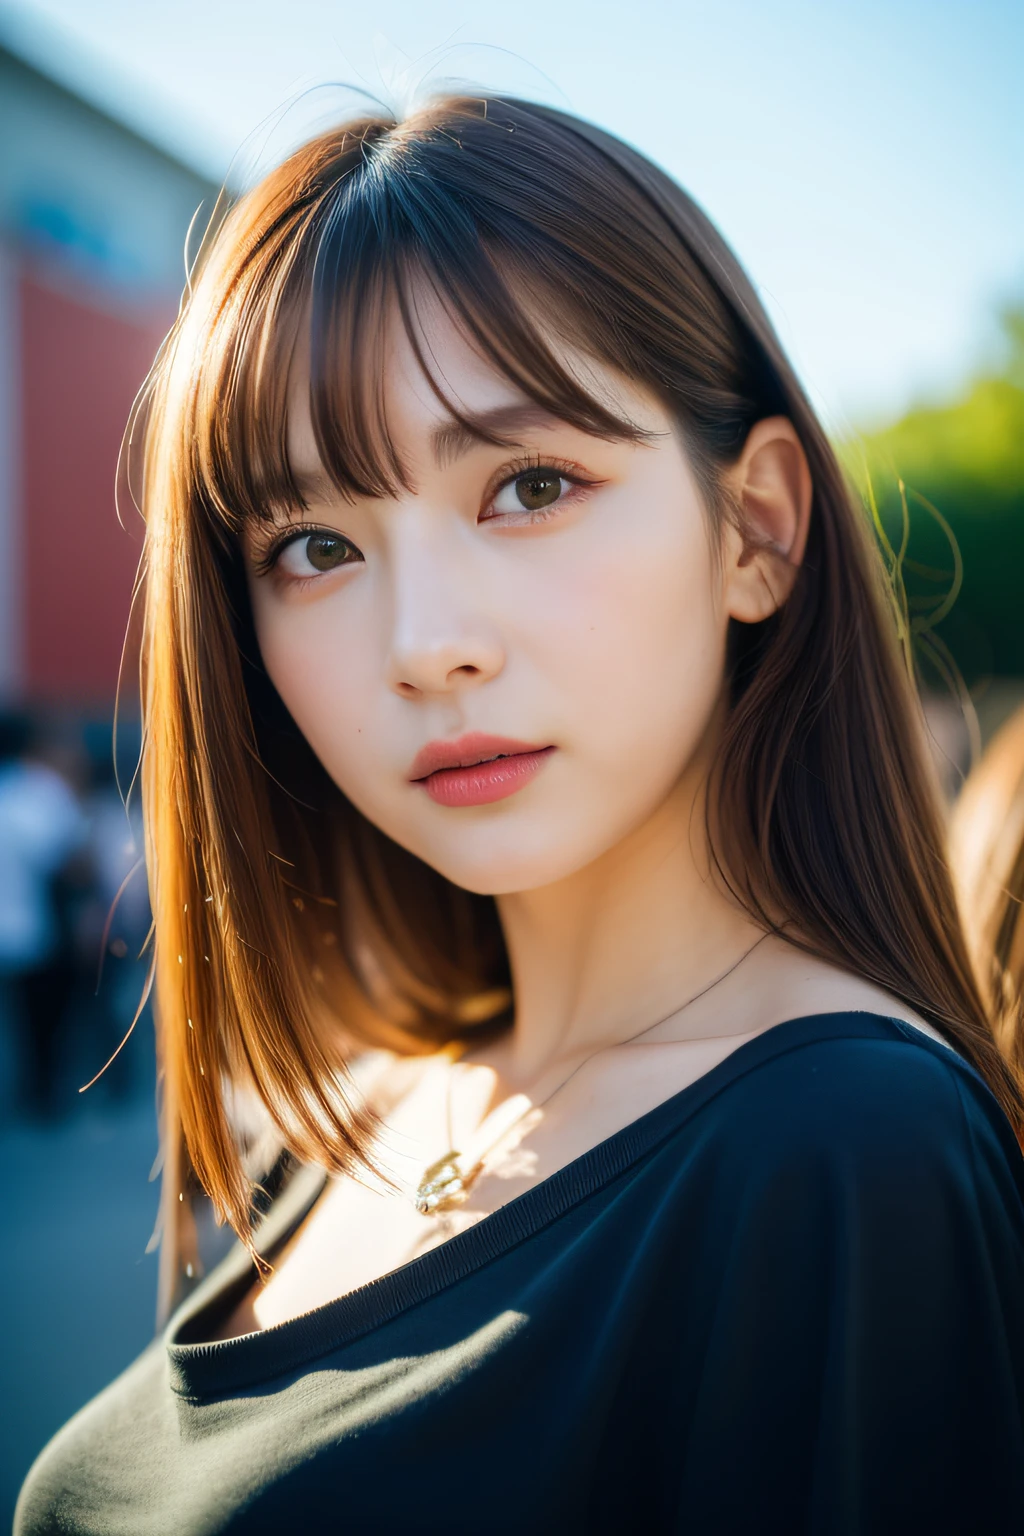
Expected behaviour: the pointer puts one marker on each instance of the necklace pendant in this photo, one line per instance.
(443, 1186)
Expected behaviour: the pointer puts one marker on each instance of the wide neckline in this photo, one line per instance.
(227, 1365)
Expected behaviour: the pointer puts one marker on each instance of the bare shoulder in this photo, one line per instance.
(788, 984)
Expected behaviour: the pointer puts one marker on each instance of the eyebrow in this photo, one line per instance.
(455, 438)
(452, 440)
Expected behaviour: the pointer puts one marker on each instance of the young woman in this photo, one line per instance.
(540, 832)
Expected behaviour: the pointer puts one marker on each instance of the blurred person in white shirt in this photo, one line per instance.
(42, 828)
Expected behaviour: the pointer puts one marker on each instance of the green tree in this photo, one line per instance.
(947, 483)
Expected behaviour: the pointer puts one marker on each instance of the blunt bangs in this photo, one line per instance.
(402, 212)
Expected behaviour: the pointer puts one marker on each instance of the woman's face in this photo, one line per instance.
(554, 608)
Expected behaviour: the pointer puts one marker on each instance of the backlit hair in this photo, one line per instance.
(987, 849)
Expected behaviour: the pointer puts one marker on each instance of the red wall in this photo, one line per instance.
(81, 368)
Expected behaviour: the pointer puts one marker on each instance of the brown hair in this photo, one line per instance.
(987, 850)
(288, 927)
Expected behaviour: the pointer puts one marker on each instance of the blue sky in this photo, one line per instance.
(865, 160)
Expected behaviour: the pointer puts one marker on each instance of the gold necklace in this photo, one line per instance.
(447, 1182)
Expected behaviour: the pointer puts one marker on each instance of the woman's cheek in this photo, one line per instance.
(636, 627)
(323, 675)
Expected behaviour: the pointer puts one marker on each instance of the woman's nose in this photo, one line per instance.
(440, 640)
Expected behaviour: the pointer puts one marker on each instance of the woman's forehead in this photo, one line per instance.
(436, 380)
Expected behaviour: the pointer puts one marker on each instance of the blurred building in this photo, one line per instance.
(93, 222)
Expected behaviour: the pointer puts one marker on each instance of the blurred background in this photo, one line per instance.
(866, 164)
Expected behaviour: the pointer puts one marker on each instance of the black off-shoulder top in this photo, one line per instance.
(789, 1299)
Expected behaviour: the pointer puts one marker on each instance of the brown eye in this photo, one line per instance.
(537, 488)
(317, 553)
(325, 550)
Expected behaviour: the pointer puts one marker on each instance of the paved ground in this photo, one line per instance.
(77, 1290)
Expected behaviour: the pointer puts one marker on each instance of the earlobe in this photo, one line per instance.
(770, 487)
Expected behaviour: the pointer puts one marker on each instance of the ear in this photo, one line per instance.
(770, 485)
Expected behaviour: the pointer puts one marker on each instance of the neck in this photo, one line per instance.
(620, 944)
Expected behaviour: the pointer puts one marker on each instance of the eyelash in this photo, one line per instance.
(266, 562)
(509, 473)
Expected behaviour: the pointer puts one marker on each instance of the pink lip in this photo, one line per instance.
(476, 769)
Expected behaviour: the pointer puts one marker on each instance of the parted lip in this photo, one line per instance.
(465, 752)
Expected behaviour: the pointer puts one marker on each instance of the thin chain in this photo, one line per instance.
(628, 1041)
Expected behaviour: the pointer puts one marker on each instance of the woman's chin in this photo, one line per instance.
(525, 859)
(526, 843)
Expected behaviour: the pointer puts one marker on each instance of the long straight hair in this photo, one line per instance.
(288, 929)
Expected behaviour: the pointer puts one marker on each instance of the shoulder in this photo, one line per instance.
(861, 1099)
(859, 1300)
(868, 1167)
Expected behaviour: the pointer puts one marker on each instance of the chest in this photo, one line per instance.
(364, 1227)
(520, 1398)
